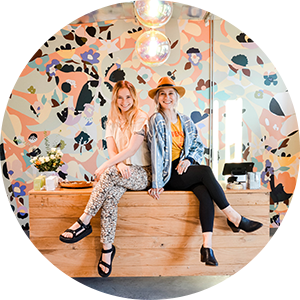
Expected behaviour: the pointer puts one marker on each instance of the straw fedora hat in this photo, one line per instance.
(167, 82)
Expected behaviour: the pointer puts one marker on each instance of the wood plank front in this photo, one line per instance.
(151, 257)
(150, 226)
(141, 211)
(62, 198)
(153, 238)
(131, 262)
(152, 242)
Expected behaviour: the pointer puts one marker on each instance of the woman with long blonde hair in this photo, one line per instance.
(128, 168)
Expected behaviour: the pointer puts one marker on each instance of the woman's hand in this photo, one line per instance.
(124, 170)
(99, 171)
(154, 193)
(183, 166)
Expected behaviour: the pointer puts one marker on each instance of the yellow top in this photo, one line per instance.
(177, 139)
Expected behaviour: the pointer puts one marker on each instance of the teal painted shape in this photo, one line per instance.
(64, 32)
(64, 96)
(257, 164)
(283, 169)
(231, 73)
(20, 179)
(55, 97)
(240, 59)
(201, 103)
(103, 24)
(205, 93)
(26, 159)
(44, 100)
(222, 95)
(94, 47)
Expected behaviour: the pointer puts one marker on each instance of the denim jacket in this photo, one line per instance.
(160, 146)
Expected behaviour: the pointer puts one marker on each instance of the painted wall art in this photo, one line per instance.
(62, 99)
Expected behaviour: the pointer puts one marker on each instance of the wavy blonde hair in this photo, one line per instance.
(160, 110)
(115, 114)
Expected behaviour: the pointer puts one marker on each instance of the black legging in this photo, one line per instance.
(201, 180)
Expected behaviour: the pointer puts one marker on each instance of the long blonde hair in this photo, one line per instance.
(160, 110)
(115, 114)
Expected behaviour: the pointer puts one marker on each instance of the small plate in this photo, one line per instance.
(76, 184)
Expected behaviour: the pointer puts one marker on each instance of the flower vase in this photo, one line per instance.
(49, 173)
(53, 182)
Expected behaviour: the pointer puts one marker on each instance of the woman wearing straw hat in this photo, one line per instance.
(176, 153)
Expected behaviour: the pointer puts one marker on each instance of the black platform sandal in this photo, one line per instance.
(112, 250)
(78, 234)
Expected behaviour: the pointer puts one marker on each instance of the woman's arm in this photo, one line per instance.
(135, 143)
(111, 147)
(156, 143)
(112, 152)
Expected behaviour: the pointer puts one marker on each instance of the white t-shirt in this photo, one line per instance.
(122, 139)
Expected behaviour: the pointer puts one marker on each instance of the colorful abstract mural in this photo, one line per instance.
(55, 87)
(62, 98)
(269, 133)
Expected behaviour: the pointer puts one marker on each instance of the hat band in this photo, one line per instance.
(166, 84)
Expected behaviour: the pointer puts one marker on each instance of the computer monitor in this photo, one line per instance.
(237, 168)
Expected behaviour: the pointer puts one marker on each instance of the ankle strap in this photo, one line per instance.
(107, 251)
(82, 224)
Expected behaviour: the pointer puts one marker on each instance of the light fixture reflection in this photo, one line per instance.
(153, 13)
(153, 48)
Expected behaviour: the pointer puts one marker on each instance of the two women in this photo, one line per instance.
(127, 168)
(176, 154)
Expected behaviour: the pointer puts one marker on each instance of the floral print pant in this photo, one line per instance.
(107, 193)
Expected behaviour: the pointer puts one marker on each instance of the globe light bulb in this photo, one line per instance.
(153, 48)
(153, 13)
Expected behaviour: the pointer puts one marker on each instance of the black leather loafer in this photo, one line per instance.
(246, 225)
(207, 256)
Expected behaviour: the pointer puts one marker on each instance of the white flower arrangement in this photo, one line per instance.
(51, 162)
